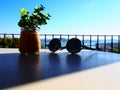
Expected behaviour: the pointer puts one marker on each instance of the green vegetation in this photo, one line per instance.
(8, 42)
(116, 50)
(42, 46)
(33, 21)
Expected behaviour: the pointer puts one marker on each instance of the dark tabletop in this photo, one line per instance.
(17, 69)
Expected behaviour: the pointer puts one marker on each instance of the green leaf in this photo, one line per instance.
(36, 7)
(23, 12)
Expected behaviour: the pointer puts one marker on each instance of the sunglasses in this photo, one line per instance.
(73, 45)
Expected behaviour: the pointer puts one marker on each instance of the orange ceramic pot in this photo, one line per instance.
(29, 42)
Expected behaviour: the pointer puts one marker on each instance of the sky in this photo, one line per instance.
(68, 16)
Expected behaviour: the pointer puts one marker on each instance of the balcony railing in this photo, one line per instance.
(103, 42)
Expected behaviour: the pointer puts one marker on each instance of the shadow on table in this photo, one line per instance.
(29, 68)
(17, 69)
(73, 61)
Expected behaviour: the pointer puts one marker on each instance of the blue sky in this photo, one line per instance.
(68, 16)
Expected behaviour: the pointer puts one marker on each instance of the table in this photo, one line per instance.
(88, 69)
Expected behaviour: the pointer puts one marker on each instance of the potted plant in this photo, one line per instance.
(29, 41)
